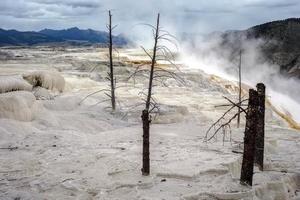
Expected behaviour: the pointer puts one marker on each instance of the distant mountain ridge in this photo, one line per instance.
(73, 36)
(17, 38)
(88, 35)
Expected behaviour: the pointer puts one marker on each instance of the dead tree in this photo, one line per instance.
(111, 67)
(157, 74)
(109, 92)
(259, 143)
(249, 139)
(145, 115)
(231, 104)
(254, 131)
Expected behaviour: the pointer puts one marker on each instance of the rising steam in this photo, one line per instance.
(210, 55)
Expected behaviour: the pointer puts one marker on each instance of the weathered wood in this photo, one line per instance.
(249, 139)
(146, 151)
(260, 137)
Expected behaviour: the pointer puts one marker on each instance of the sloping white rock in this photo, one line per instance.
(19, 105)
(13, 83)
(47, 79)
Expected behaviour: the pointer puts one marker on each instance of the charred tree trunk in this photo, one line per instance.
(240, 89)
(260, 137)
(111, 67)
(249, 139)
(146, 151)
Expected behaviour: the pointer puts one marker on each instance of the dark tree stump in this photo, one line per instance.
(249, 139)
(146, 153)
(260, 137)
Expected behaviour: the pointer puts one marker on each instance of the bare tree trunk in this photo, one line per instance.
(111, 74)
(249, 139)
(146, 151)
(240, 89)
(153, 62)
(260, 137)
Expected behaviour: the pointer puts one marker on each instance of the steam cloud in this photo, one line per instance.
(209, 55)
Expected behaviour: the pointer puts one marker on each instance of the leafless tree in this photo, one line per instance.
(239, 69)
(110, 75)
(156, 74)
(111, 67)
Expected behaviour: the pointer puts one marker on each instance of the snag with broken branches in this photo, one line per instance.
(156, 74)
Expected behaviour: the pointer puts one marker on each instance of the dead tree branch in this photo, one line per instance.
(227, 123)
(92, 95)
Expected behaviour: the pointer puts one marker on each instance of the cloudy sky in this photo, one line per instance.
(180, 15)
